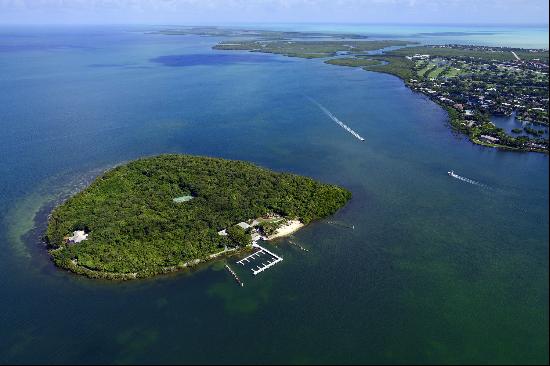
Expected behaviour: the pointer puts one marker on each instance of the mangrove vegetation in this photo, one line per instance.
(136, 229)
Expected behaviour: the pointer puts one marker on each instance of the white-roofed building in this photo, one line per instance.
(78, 236)
(244, 225)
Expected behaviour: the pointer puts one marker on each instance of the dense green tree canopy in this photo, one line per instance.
(237, 236)
(136, 228)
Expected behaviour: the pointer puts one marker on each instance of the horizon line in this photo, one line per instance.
(214, 24)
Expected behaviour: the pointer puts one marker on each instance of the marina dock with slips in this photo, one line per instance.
(265, 257)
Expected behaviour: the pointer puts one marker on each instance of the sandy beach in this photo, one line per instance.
(289, 228)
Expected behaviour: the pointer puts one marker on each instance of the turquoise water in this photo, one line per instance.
(436, 269)
(487, 35)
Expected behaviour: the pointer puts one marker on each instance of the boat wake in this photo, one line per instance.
(335, 119)
(464, 179)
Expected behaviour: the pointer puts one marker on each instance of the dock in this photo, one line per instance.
(336, 223)
(299, 246)
(234, 275)
(266, 257)
(251, 257)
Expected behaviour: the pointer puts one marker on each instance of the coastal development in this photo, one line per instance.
(474, 83)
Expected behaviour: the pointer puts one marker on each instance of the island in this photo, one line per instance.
(164, 213)
(212, 31)
(310, 48)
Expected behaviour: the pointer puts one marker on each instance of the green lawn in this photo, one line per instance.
(424, 70)
(436, 72)
(453, 72)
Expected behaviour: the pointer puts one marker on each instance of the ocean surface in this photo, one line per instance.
(436, 269)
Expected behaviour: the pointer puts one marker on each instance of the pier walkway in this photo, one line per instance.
(234, 275)
(266, 257)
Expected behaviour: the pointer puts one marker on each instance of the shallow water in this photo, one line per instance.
(436, 269)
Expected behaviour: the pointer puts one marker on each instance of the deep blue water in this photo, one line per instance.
(214, 59)
(436, 270)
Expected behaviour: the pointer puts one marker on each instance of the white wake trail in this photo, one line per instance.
(335, 119)
(464, 179)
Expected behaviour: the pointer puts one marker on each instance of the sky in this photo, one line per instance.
(195, 12)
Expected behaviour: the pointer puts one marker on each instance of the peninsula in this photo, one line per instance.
(161, 214)
(473, 84)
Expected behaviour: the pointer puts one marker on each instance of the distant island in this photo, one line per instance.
(165, 213)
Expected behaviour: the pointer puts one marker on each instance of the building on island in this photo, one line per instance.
(78, 236)
(244, 225)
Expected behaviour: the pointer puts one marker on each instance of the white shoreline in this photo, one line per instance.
(290, 227)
